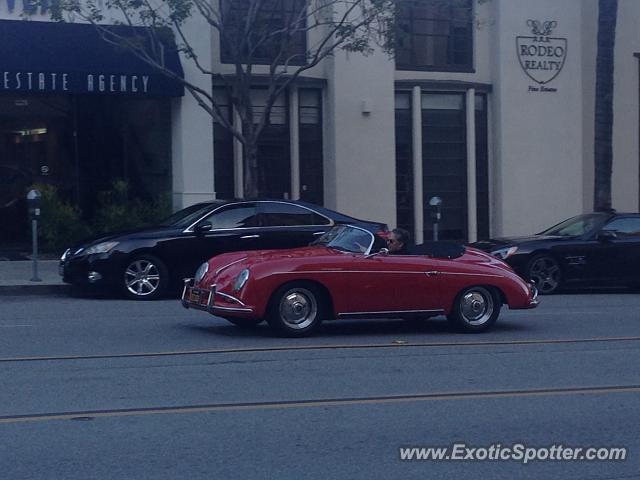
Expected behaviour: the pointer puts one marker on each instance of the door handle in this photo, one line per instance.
(433, 273)
(319, 233)
(244, 237)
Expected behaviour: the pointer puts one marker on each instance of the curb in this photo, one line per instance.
(35, 289)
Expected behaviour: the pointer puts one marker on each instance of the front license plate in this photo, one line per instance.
(194, 297)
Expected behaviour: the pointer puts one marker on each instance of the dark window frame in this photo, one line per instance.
(407, 12)
(299, 47)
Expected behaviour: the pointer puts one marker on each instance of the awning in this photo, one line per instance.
(72, 58)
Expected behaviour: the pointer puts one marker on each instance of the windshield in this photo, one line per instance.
(185, 217)
(576, 226)
(347, 239)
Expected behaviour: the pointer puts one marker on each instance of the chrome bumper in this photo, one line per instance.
(534, 298)
(189, 292)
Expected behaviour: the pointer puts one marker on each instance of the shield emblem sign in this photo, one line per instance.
(541, 57)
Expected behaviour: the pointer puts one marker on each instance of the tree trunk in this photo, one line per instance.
(603, 149)
(251, 168)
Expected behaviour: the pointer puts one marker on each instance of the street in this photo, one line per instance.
(109, 388)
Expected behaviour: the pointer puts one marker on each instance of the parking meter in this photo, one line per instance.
(33, 203)
(435, 204)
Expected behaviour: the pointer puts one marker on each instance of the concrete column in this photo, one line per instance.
(192, 130)
(294, 143)
(238, 164)
(472, 198)
(416, 130)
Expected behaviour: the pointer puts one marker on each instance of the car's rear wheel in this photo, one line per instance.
(296, 310)
(145, 278)
(475, 309)
(244, 322)
(545, 272)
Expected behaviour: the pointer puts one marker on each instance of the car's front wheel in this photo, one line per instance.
(145, 278)
(475, 309)
(296, 310)
(544, 271)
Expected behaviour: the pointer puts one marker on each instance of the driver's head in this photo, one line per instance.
(397, 239)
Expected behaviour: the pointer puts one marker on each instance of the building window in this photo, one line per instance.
(311, 153)
(223, 149)
(482, 167)
(273, 148)
(434, 35)
(444, 162)
(404, 161)
(261, 46)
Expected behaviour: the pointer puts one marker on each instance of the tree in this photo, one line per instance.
(603, 149)
(276, 40)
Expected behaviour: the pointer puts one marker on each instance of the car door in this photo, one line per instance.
(234, 227)
(617, 252)
(392, 283)
(288, 225)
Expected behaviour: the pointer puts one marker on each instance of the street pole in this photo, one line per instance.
(34, 244)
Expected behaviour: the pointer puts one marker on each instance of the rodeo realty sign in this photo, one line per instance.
(541, 56)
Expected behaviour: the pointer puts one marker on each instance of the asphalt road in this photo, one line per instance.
(105, 388)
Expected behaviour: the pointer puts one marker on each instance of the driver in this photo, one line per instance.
(398, 241)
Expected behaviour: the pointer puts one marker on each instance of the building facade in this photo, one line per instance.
(488, 105)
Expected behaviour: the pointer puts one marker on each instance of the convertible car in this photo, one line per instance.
(348, 273)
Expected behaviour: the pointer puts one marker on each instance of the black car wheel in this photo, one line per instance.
(296, 309)
(475, 310)
(145, 278)
(544, 271)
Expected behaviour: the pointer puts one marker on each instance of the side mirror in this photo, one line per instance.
(606, 236)
(202, 227)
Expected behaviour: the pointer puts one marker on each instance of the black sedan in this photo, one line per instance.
(594, 249)
(145, 263)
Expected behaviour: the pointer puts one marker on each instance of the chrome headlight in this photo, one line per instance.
(102, 247)
(66, 253)
(202, 271)
(504, 253)
(241, 279)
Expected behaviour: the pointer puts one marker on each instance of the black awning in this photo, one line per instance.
(73, 58)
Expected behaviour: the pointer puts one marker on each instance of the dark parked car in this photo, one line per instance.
(591, 249)
(145, 263)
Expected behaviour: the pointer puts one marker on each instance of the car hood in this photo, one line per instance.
(496, 243)
(132, 234)
(257, 256)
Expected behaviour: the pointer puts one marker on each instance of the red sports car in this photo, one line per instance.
(348, 273)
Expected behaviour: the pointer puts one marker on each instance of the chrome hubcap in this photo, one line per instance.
(545, 273)
(298, 308)
(142, 277)
(476, 306)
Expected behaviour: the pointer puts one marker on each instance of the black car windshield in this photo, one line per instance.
(347, 239)
(576, 226)
(185, 217)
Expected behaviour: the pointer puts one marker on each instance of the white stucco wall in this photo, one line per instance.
(538, 136)
(360, 148)
(192, 132)
(626, 157)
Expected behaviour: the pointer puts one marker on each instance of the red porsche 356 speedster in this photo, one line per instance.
(348, 273)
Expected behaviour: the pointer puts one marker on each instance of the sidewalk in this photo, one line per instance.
(15, 278)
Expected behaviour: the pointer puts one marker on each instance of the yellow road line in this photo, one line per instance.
(230, 407)
(284, 348)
